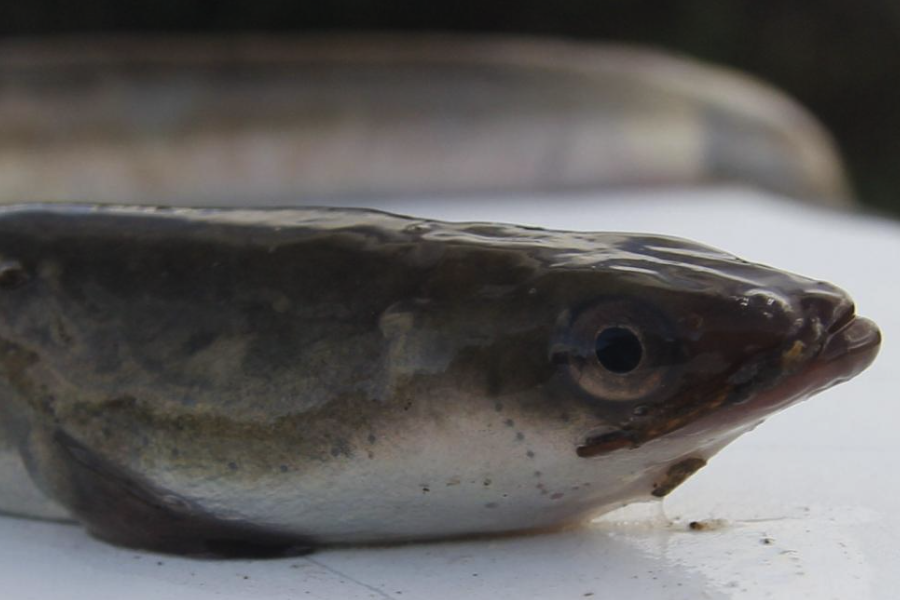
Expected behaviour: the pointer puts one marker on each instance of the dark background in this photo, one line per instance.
(841, 58)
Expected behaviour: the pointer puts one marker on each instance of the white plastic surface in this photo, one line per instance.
(803, 507)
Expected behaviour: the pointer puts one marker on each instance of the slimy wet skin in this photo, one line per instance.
(205, 380)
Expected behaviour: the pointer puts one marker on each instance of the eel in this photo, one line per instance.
(217, 380)
(214, 121)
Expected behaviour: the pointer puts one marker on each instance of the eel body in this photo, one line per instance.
(198, 380)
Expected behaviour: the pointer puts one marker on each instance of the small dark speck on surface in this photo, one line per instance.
(557, 496)
(232, 466)
(588, 594)
(767, 541)
(283, 468)
(159, 563)
(707, 525)
(372, 438)
(491, 505)
(520, 436)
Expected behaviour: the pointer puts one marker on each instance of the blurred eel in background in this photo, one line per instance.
(216, 122)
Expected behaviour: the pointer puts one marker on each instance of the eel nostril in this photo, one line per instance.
(843, 317)
(830, 305)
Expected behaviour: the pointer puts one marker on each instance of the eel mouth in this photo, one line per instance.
(850, 345)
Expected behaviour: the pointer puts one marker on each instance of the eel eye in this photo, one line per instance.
(617, 350)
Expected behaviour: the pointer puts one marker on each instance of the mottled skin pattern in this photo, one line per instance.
(199, 381)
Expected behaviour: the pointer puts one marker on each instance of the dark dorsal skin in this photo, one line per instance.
(205, 380)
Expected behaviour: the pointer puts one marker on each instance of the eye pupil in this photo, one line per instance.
(618, 349)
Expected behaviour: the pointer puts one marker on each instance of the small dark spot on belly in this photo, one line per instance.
(509, 423)
(530, 454)
(120, 402)
(199, 341)
(62, 333)
(491, 505)
(520, 436)
(487, 482)
(557, 496)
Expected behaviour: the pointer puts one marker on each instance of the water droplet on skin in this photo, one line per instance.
(417, 228)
